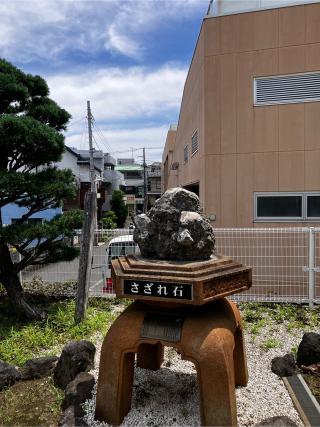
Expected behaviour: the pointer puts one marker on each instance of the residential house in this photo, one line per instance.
(154, 183)
(133, 186)
(108, 179)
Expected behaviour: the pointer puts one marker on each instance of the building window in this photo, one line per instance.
(287, 89)
(186, 154)
(286, 206)
(194, 143)
(313, 206)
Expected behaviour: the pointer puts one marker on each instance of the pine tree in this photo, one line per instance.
(31, 140)
(119, 207)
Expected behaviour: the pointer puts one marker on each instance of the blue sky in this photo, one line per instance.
(128, 57)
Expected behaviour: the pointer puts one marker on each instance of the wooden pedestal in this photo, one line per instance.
(191, 283)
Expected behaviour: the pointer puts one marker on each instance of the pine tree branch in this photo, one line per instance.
(31, 258)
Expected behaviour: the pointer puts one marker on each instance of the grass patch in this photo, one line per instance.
(21, 340)
(184, 412)
(255, 329)
(270, 343)
(38, 402)
(31, 403)
(258, 315)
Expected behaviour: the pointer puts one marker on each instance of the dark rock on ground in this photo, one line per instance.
(69, 418)
(38, 368)
(280, 421)
(8, 374)
(76, 357)
(78, 391)
(284, 366)
(309, 349)
(174, 229)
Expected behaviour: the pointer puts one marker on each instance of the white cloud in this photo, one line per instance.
(119, 99)
(121, 94)
(117, 42)
(134, 19)
(45, 29)
(120, 142)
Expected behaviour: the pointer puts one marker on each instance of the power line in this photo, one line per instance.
(102, 137)
(136, 149)
(74, 122)
(96, 142)
(81, 137)
(106, 146)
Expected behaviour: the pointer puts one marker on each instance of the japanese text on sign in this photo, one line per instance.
(158, 289)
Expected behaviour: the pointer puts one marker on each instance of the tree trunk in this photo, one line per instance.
(11, 282)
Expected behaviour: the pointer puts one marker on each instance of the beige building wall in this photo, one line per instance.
(169, 174)
(245, 149)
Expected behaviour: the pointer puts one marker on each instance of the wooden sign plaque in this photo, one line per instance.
(151, 288)
(194, 283)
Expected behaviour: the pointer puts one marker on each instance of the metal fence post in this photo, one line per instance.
(311, 267)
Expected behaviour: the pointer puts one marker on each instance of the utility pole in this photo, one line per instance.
(88, 229)
(145, 200)
(92, 173)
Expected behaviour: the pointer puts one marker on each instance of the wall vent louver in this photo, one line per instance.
(287, 89)
(194, 143)
(175, 166)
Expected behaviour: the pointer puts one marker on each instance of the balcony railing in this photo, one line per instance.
(229, 7)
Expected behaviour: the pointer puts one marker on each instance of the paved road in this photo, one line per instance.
(67, 271)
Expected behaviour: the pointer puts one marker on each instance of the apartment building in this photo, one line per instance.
(133, 185)
(108, 179)
(153, 174)
(248, 136)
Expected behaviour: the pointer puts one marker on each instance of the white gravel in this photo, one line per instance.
(169, 397)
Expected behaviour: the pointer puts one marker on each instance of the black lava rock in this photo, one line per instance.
(284, 366)
(78, 391)
(309, 349)
(38, 368)
(69, 418)
(8, 374)
(76, 357)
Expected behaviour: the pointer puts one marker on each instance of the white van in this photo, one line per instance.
(118, 246)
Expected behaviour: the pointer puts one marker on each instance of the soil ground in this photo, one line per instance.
(31, 403)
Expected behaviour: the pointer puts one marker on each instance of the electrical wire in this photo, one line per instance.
(96, 142)
(102, 137)
(136, 149)
(74, 122)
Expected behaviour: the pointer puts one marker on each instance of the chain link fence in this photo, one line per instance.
(284, 262)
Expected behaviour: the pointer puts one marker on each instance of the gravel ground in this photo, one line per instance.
(170, 395)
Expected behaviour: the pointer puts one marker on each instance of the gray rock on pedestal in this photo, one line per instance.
(76, 357)
(174, 229)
